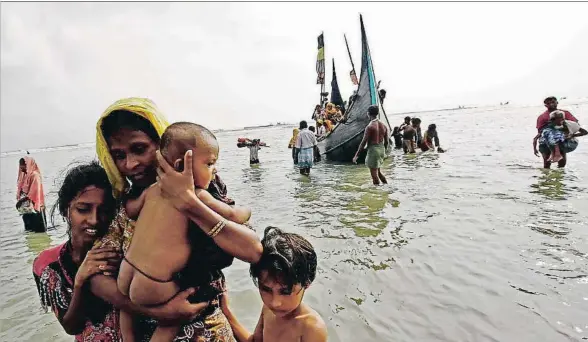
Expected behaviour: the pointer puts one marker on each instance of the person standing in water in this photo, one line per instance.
(542, 122)
(305, 143)
(254, 151)
(376, 138)
(292, 144)
(30, 196)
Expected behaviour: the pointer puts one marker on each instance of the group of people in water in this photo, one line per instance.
(151, 227)
(150, 230)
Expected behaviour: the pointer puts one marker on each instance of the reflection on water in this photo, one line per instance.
(37, 242)
(550, 184)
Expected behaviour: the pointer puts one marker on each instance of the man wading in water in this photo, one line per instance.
(376, 138)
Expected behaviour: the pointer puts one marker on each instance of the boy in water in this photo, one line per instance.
(160, 248)
(286, 269)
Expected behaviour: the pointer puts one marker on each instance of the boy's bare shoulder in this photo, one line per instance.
(314, 328)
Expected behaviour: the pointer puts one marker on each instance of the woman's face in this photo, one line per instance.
(133, 153)
(88, 217)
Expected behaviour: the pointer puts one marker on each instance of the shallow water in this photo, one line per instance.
(477, 244)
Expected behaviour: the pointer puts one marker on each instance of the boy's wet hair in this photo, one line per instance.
(184, 136)
(287, 257)
(373, 110)
(120, 119)
(77, 179)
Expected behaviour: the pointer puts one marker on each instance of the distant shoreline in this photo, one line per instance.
(281, 124)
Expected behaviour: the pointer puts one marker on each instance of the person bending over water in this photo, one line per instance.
(86, 203)
(151, 274)
(431, 139)
(285, 271)
(376, 138)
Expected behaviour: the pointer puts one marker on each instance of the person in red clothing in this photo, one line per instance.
(542, 122)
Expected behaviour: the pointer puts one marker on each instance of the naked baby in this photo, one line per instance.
(160, 248)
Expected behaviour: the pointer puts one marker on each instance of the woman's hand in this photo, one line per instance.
(179, 309)
(175, 186)
(97, 260)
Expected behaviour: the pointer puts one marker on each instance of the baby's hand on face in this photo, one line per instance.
(199, 193)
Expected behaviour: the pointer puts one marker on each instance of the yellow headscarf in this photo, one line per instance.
(140, 106)
(295, 132)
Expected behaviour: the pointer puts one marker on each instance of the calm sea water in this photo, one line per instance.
(477, 244)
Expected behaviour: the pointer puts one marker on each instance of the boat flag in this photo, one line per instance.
(320, 60)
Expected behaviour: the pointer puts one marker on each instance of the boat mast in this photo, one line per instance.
(352, 73)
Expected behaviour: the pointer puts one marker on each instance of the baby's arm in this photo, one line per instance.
(126, 326)
(235, 214)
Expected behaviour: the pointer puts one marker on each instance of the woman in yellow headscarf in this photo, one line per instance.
(127, 139)
(292, 144)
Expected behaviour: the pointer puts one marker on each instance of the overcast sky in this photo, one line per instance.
(233, 65)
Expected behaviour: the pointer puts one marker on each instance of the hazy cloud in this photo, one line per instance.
(228, 65)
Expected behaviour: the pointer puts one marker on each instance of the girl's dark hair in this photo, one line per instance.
(287, 257)
(119, 119)
(77, 179)
(21, 161)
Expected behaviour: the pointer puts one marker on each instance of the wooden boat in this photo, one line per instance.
(343, 141)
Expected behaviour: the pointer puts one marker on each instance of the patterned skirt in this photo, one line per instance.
(306, 158)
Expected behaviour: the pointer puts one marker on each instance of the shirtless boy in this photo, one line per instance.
(160, 248)
(377, 139)
(286, 269)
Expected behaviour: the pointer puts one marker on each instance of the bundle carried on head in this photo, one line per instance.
(246, 142)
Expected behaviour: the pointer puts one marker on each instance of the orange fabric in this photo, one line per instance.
(31, 184)
(329, 125)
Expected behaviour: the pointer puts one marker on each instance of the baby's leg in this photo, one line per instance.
(126, 326)
(164, 334)
(556, 154)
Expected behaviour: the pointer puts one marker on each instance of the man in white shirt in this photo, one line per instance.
(305, 143)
